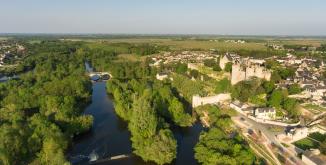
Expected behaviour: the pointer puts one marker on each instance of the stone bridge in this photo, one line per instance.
(100, 75)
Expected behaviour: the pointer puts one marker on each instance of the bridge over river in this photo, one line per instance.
(99, 75)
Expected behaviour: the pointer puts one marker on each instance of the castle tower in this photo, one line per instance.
(237, 74)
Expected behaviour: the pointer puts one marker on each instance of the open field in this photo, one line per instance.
(107, 46)
(314, 108)
(3, 38)
(190, 44)
(130, 57)
(195, 44)
(310, 142)
(312, 42)
(220, 45)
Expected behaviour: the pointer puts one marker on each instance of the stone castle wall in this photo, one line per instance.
(192, 66)
(198, 101)
(240, 73)
(223, 62)
(237, 74)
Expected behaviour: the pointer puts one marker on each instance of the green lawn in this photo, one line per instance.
(309, 143)
(318, 136)
(306, 144)
(314, 107)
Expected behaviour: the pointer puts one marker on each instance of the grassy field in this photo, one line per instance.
(306, 144)
(310, 142)
(107, 46)
(130, 57)
(3, 38)
(312, 42)
(314, 108)
(34, 41)
(196, 44)
(186, 44)
(206, 44)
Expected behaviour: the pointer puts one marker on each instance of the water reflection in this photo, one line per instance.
(109, 135)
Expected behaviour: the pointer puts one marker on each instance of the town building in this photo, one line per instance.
(161, 76)
(266, 113)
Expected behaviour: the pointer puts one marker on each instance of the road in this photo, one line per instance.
(271, 136)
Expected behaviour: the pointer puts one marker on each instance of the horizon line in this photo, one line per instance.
(159, 34)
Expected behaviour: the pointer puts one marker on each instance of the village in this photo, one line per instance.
(308, 78)
(10, 51)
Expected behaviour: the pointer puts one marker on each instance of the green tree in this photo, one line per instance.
(216, 147)
(179, 116)
(286, 72)
(276, 98)
(322, 147)
(144, 121)
(149, 141)
(52, 153)
(194, 73)
(259, 100)
(275, 77)
(160, 148)
(228, 67)
(222, 86)
(13, 144)
(294, 89)
(210, 62)
(290, 105)
(245, 89)
(217, 68)
(181, 68)
(269, 86)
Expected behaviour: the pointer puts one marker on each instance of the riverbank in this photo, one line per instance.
(110, 137)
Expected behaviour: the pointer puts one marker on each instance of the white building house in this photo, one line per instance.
(266, 113)
(161, 76)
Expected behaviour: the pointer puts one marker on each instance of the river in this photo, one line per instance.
(7, 78)
(109, 135)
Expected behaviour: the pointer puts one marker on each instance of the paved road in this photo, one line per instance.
(271, 137)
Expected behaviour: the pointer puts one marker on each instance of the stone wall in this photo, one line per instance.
(198, 101)
(240, 73)
(273, 122)
(192, 66)
(223, 61)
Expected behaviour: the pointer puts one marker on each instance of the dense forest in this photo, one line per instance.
(41, 111)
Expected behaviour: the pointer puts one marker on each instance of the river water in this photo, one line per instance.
(109, 135)
(7, 78)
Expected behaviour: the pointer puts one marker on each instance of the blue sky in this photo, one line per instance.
(229, 17)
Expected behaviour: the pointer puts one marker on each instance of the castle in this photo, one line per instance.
(242, 72)
(245, 68)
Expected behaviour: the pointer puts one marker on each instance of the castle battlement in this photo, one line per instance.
(246, 69)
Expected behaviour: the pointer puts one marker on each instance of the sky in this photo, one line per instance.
(221, 17)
